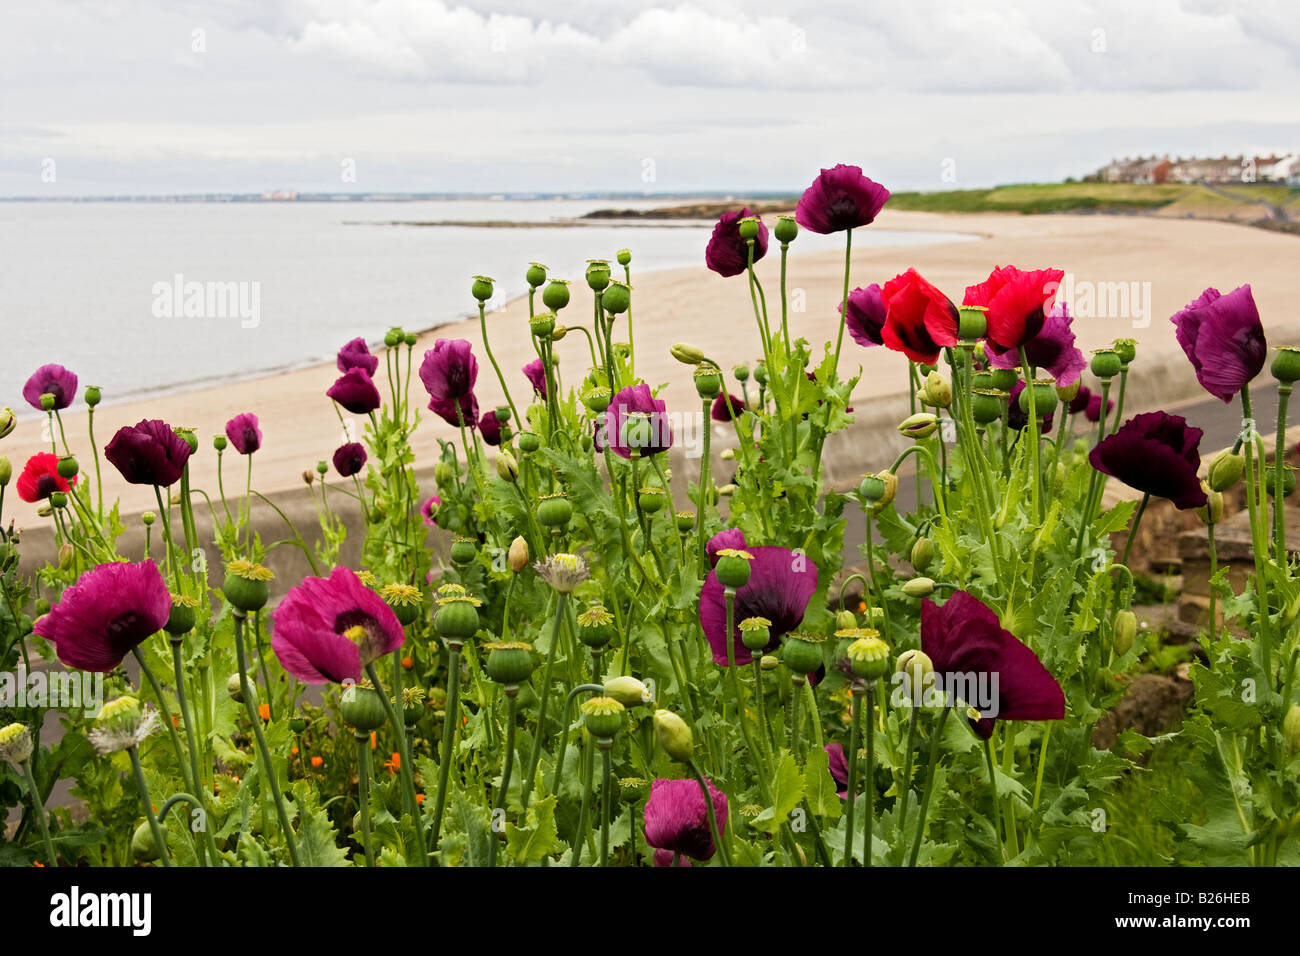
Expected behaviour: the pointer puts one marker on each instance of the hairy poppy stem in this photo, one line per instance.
(159, 838)
(38, 810)
(713, 819)
(997, 807)
(870, 779)
(561, 602)
(929, 786)
(1132, 535)
(363, 794)
(854, 719)
(512, 692)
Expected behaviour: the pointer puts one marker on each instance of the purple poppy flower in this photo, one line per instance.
(329, 629)
(665, 858)
(676, 817)
(51, 380)
(244, 434)
(866, 318)
(489, 426)
(839, 767)
(1051, 349)
(720, 412)
(110, 610)
(727, 538)
(727, 254)
(1093, 411)
(1081, 399)
(964, 637)
(430, 508)
(449, 369)
(1224, 340)
(1017, 419)
(840, 198)
(535, 372)
(148, 453)
(632, 401)
(356, 354)
(780, 586)
(355, 391)
(349, 459)
(1156, 453)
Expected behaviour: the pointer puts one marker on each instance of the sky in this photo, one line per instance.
(130, 97)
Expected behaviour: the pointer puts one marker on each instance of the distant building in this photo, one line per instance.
(1225, 169)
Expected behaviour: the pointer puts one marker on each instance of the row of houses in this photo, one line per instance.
(1225, 169)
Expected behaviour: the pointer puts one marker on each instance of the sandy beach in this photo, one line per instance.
(1164, 264)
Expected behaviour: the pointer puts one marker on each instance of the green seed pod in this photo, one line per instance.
(394, 337)
(756, 633)
(972, 323)
(786, 229)
(595, 626)
(1004, 379)
(1044, 396)
(542, 324)
(616, 298)
(651, 500)
(1106, 363)
(872, 488)
(535, 275)
(597, 274)
(554, 511)
(410, 339)
(748, 228)
(245, 585)
(510, 662)
(362, 708)
(1124, 630)
(93, 395)
(708, 381)
(597, 399)
(556, 295)
(741, 372)
(624, 257)
(463, 551)
(297, 724)
(760, 372)
(869, 657)
(1286, 364)
(180, 620)
(732, 568)
(529, 442)
(456, 618)
(1126, 349)
(481, 289)
(987, 405)
(58, 499)
(67, 467)
(802, 653)
(602, 716)
(685, 521)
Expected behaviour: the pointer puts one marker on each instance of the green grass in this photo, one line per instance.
(1171, 198)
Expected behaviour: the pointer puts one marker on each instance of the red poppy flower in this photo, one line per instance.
(919, 319)
(40, 478)
(1018, 303)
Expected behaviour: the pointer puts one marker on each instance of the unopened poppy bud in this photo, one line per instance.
(769, 662)
(1291, 728)
(1105, 363)
(481, 289)
(67, 554)
(628, 691)
(937, 392)
(558, 333)
(1126, 349)
(517, 556)
(708, 381)
(144, 848)
(1226, 470)
(235, 689)
(362, 708)
(507, 467)
(1286, 364)
(597, 274)
(748, 227)
(915, 666)
(728, 490)
(6, 471)
(616, 298)
(1212, 511)
(1288, 480)
(542, 324)
(556, 295)
(922, 553)
(1124, 631)
(845, 620)
(686, 354)
(786, 229)
(972, 323)
(1067, 393)
(760, 373)
(728, 454)
(8, 421)
(535, 275)
(919, 587)
(920, 425)
(741, 372)
(673, 735)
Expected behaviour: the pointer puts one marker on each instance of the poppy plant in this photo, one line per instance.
(355, 391)
(1156, 453)
(964, 638)
(840, 198)
(356, 354)
(329, 629)
(449, 371)
(1223, 339)
(244, 433)
(50, 380)
(866, 317)
(1017, 303)
(676, 817)
(919, 319)
(1052, 350)
(727, 253)
(148, 453)
(629, 404)
(781, 583)
(40, 478)
(109, 611)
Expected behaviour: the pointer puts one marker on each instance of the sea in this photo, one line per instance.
(153, 297)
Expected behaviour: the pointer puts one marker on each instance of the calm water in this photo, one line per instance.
(152, 297)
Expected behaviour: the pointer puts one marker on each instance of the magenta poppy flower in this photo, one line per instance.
(636, 400)
(839, 767)
(866, 318)
(355, 391)
(1093, 411)
(535, 372)
(1081, 399)
(489, 426)
(727, 254)
(449, 369)
(1017, 303)
(726, 538)
(430, 508)
(840, 198)
(148, 453)
(356, 354)
(1052, 350)
(1017, 419)
(349, 459)
(1224, 340)
(1156, 453)
(964, 638)
(720, 412)
(110, 610)
(51, 380)
(329, 629)
(676, 817)
(781, 583)
(244, 434)
(919, 319)
(40, 478)
(665, 858)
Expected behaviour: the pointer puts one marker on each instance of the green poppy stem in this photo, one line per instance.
(159, 838)
(38, 811)
(929, 786)
(363, 794)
